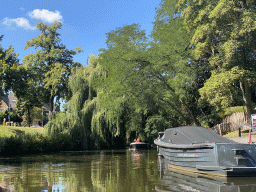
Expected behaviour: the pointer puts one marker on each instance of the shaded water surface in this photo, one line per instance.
(117, 170)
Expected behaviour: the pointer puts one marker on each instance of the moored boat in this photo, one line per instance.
(138, 144)
(199, 150)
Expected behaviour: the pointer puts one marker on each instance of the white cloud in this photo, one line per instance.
(45, 15)
(20, 22)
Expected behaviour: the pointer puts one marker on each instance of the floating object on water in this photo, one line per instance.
(138, 144)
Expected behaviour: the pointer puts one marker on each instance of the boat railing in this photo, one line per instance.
(203, 142)
(184, 146)
(160, 134)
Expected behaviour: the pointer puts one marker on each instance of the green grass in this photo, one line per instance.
(244, 133)
(8, 131)
(15, 141)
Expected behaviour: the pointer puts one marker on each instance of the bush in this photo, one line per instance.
(14, 117)
(12, 146)
(25, 144)
(230, 110)
(59, 123)
(2, 116)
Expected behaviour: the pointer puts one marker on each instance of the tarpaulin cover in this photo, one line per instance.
(192, 135)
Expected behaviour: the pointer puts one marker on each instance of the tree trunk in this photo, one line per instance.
(177, 110)
(246, 92)
(191, 114)
(161, 78)
(29, 118)
(51, 106)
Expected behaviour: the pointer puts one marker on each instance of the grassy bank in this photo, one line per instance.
(8, 131)
(24, 141)
(244, 133)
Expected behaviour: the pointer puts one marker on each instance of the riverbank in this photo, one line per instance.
(234, 136)
(15, 141)
(25, 141)
(242, 139)
(8, 131)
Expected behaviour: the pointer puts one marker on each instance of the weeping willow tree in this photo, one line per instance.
(107, 116)
(87, 120)
(76, 120)
(133, 89)
(130, 91)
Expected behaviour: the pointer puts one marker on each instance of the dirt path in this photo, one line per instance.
(242, 139)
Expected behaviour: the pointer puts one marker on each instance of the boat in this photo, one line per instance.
(200, 150)
(138, 144)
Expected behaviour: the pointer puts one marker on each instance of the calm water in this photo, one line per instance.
(117, 170)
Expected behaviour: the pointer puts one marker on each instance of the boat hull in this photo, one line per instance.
(200, 150)
(139, 145)
(217, 159)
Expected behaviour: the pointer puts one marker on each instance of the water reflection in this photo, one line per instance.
(173, 180)
(138, 156)
(118, 170)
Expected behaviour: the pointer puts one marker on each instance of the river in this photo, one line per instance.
(107, 170)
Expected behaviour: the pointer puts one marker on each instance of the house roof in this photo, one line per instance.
(10, 100)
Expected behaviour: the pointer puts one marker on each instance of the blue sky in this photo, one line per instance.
(84, 23)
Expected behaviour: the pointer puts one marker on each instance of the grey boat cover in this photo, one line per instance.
(192, 135)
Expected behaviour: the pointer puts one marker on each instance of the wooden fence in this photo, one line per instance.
(232, 123)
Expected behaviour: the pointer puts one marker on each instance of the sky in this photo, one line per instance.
(84, 23)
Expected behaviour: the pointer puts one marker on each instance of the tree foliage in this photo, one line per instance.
(9, 66)
(198, 61)
(81, 107)
(224, 37)
(52, 63)
(28, 102)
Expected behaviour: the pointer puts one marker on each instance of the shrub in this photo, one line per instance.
(230, 110)
(14, 117)
(24, 144)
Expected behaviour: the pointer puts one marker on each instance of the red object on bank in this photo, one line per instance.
(250, 137)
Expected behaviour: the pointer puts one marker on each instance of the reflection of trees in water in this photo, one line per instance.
(120, 173)
(47, 176)
(175, 180)
(110, 171)
(20, 179)
(103, 171)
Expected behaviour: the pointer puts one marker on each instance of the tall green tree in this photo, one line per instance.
(184, 74)
(157, 72)
(17, 78)
(91, 120)
(126, 88)
(173, 64)
(9, 64)
(25, 107)
(51, 64)
(26, 93)
(224, 36)
(83, 105)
